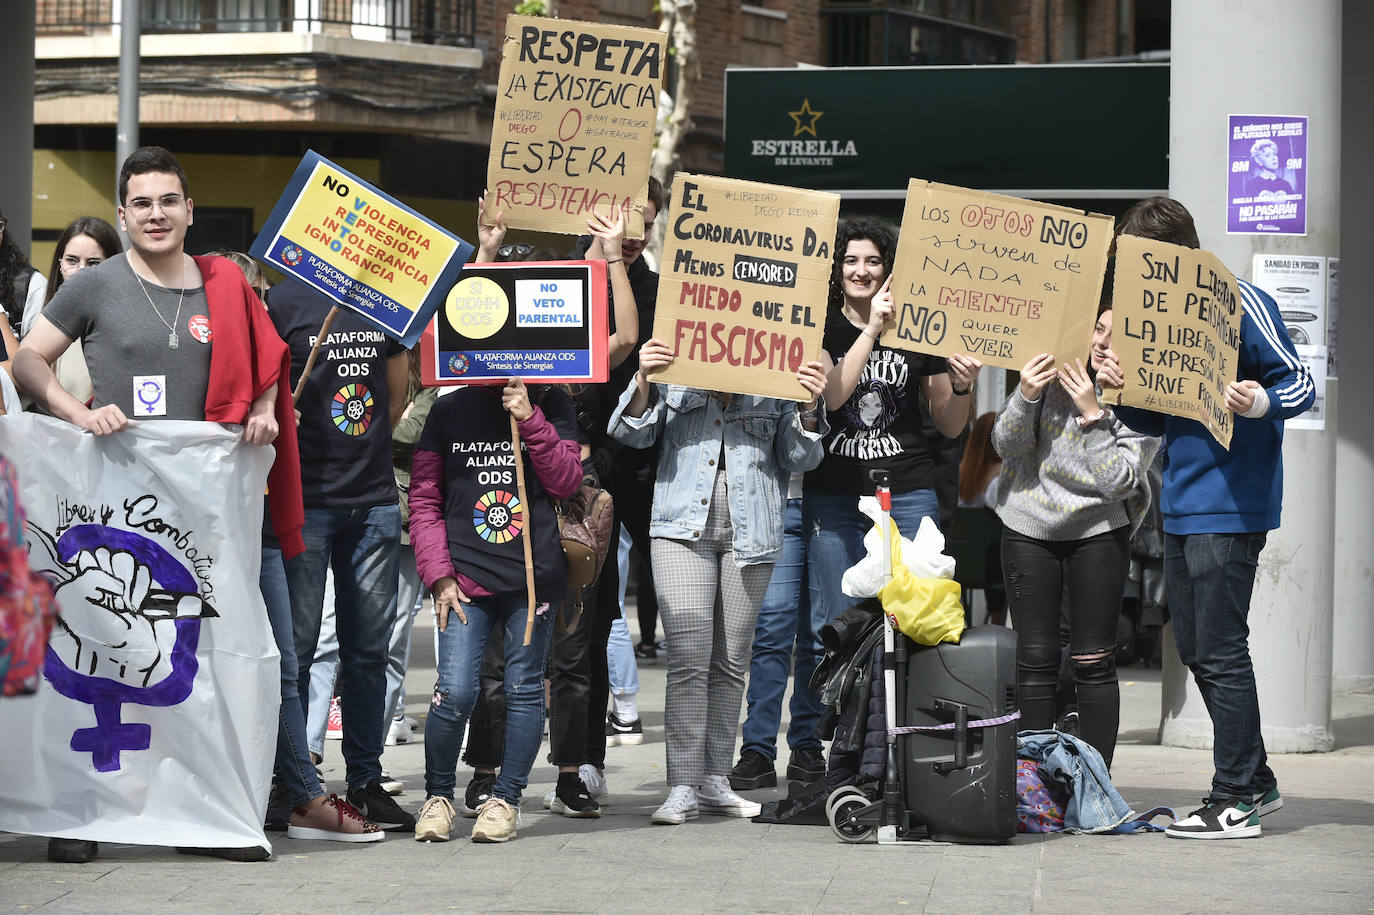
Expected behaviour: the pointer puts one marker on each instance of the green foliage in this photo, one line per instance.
(531, 8)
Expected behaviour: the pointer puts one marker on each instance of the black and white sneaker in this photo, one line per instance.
(1218, 819)
(478, 793)
(376, 805)
(621, 733)
(1268, 801)
(571, 798)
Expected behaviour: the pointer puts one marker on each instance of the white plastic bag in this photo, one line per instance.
(922, 554)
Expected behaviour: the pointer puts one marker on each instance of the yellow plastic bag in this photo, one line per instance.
(926, 610)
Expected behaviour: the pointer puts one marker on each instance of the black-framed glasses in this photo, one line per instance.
(520, 250)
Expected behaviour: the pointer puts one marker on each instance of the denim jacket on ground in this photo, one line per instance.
(764, 442)
(1093, 804)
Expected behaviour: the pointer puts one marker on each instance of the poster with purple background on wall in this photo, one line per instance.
(1266, 193)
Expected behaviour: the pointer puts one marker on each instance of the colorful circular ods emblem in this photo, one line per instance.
(477, 307)
(291, 255)
(498, 516)
(459, 363)
(352, 408)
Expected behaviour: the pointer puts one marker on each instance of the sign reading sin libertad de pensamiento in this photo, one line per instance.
(573, 129)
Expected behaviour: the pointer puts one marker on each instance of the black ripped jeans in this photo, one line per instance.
(1036, 572)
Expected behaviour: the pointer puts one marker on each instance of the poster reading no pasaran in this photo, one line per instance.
(1176, 328)
(543, 322)
(361, 247)
(742, 295)
(998, 278)
(573, 129)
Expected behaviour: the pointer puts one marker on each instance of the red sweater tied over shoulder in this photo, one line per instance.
(247, 358)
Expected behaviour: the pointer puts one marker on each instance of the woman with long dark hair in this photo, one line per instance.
(874, 397)
(86, 242)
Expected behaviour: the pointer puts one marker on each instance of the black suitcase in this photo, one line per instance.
(960, 782)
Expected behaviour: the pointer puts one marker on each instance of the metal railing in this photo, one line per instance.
(442, 22)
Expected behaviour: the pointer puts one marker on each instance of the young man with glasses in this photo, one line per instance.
(146, 319)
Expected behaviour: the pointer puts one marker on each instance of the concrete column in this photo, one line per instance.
(1264, 57)
(1353, 663)
(16, 113)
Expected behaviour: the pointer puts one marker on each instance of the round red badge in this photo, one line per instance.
(199, 326)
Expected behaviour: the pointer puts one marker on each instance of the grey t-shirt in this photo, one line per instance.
(125, 340)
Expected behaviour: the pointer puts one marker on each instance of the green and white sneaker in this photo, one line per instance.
(1218, 819)
(1269, 801)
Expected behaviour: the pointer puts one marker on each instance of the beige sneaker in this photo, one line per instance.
(496, 821)
(435, 820)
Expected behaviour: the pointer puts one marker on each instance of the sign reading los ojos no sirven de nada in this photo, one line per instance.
(361, 247)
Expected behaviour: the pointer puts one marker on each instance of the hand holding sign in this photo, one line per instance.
(880, 309)
(610, 233)
(489, 235)
(812, 377)
(515, 398)
(1109, 373)
(963, 372)
(654, 356)
(1241, 396)
(1035, 375)
(1076, 383)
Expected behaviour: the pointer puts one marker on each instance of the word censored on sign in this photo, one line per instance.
(995, 277)
(742, 298)
(543, 322)
(1176, 328)
(574, 128)
(364, 249)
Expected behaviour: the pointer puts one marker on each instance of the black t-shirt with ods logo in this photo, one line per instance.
(345, 430)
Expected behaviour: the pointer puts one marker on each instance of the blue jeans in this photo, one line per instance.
(293, 767)
(834, 530)
(360, 545)
(410, 595)
(620, 649)
(459, 669)
(1209, 578)
(784, 622)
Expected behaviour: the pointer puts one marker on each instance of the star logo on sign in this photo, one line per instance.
(805, 114)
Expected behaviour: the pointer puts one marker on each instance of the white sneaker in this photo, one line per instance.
(391, 785)
(680, 807)
(399, 732)
(717, 797)
(595, 782)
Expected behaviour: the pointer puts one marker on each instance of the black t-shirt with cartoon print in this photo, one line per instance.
(345, 430)
(879, 427)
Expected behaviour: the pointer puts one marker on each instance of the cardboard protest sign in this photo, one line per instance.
(742, 294)
(543, 322)
(1176, 328)
(361, 247)
(998, 278)
(573, 132)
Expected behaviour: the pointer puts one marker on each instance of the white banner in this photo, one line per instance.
(156, 721)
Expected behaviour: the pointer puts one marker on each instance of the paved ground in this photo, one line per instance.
(1317, 854)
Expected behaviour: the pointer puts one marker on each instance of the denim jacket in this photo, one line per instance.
(1093, 804)
(764, 442)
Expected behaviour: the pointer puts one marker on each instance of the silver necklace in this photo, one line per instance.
(172, 342)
